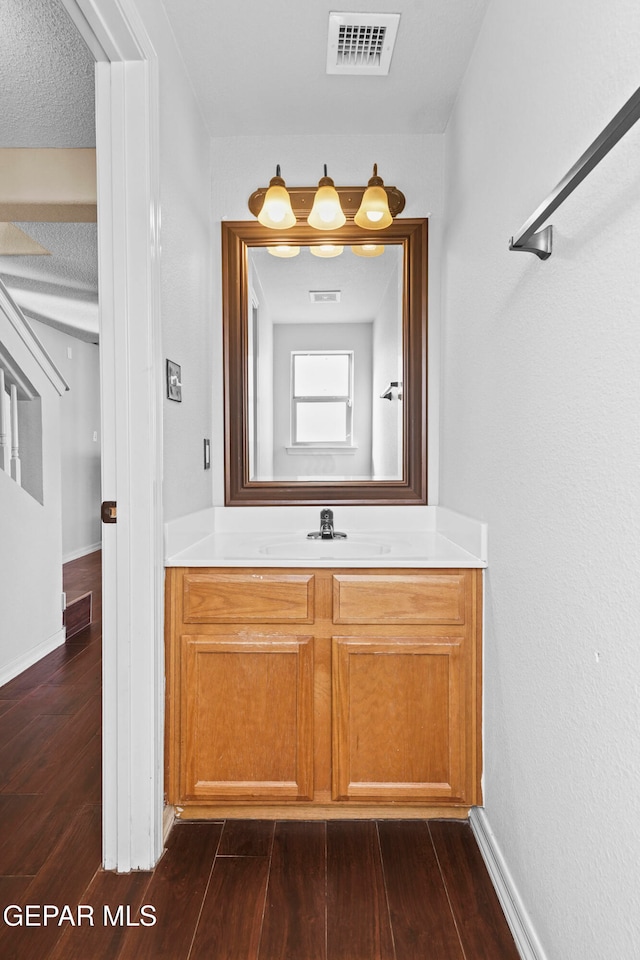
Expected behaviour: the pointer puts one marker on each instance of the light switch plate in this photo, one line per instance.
(174, 381)
(207, 454)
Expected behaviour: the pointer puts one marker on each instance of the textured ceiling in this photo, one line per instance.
(46, 77)
(258, 66)
(362, 282)
(47, 84)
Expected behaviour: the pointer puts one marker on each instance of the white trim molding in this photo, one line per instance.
(519, 921)
(25, 661)
(82, 552)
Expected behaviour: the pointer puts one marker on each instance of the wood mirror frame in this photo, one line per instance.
(240, 490)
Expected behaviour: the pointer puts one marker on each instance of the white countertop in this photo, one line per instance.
(196, 544)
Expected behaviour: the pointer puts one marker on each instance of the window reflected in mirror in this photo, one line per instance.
(322, 399)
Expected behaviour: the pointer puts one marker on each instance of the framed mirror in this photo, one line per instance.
(325, 364)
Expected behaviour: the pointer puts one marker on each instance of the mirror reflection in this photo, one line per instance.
(325, 364)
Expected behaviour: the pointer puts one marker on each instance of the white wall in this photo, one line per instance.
(186, 272)
(541, 437)
(386, 446)
(31, 564)
(260, 426)
(79, 421)
(30, 536)
(414, 164)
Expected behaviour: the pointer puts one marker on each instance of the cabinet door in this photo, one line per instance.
(247, 718)
(399, 718)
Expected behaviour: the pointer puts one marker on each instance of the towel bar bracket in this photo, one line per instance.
(540, 243)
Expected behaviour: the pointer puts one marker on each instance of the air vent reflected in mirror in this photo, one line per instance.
(325, 296)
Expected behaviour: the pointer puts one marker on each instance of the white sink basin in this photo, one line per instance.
(373, 548)
(302, 549)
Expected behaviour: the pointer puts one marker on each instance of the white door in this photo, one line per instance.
(128, 204)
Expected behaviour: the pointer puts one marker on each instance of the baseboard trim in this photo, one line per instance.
(22, 663)
(517, 917)
(230, 810)
(82, 552)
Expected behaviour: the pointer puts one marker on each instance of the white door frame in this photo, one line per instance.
(127, 142)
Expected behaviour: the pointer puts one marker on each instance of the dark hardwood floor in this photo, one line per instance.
(234, 890)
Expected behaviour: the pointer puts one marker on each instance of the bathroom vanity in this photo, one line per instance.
(312, 674)
(317, 690)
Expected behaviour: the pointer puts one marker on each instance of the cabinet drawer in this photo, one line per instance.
(228, 597)
(399, 598)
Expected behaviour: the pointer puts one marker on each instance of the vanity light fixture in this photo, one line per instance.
(326, 207)
(368, 249)
(326, 213)
(276, 212)
(284, 250)
(374, 213)
(327, 250)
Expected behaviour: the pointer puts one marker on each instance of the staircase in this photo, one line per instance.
(78, 582)
(30, 500)
(25, 368)
(9, 448)
(77, 614)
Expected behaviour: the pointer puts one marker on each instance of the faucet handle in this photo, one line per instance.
(326, 531)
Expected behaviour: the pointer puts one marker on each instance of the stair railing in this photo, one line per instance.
(9, 442)
(4, 425)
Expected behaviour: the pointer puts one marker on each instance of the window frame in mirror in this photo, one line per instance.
(237, 237)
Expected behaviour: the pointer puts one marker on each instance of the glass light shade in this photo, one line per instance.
(374, 213)
(368, 250)
(374, 210)
(284, 250)
(326, 213)
(326, 250)
(276, 210)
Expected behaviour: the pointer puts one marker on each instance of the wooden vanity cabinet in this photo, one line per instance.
(323, 692)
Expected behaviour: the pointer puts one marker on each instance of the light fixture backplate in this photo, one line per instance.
(361, 44)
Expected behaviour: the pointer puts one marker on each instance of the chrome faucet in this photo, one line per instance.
(326, 531)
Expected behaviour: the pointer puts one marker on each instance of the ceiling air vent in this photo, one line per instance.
(361, 43)
(324, 296)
